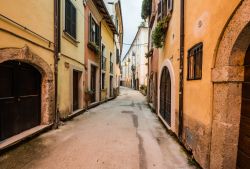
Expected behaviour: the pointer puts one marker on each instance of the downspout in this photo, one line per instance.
(100, 54)
(57, 49)
(182, 21)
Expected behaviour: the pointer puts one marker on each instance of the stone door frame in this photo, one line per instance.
(227, 78)
(47, 83)
(167, 63)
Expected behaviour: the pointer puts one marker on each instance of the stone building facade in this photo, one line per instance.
(27, 81)
(211, 114)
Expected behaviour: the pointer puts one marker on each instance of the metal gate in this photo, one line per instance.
(165, 96)
(20, 98)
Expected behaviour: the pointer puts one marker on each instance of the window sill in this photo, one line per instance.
(70, 38)
(193, 79)
(94, 48)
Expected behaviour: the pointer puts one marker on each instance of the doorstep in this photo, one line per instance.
(73, 114)
(151, 106)
(23, 136)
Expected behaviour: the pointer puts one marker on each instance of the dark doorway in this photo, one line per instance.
(243, 161)
(165, 96)
(111, 87)
(20, 98)
(75, 90)
(93, 84)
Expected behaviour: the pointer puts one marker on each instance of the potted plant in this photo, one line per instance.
(88, 94)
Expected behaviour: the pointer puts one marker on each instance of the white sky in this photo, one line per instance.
(131, 12)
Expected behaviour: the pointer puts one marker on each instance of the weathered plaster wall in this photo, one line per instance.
(90, 58)
(204, 22)
(19, 44)
(108, 41)
(72, 57)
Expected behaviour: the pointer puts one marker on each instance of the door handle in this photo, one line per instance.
(18, 99)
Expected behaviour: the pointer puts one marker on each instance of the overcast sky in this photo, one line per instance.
(131, 12)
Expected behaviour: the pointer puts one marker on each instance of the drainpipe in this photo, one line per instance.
(181, 71)
(57, 50)
(100, 54)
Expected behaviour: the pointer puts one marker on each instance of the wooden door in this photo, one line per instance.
(93, 83)
(20, 98)
(243, 160)
(165, 96)
(75, 90)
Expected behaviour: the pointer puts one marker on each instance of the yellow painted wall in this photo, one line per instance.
(71, 58)
(204, 22)
(35, 15)
(107, 40)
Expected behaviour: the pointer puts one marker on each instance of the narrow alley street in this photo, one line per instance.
(120, 134)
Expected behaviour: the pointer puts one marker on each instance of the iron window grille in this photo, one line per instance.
(195, 62)
(70, 19)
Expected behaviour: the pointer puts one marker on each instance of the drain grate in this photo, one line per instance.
(128, 112)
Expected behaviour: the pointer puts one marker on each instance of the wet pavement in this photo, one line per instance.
(120, 134)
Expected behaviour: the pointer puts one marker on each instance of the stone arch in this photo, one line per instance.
(167, 63)
(47, 86)
(227, 77)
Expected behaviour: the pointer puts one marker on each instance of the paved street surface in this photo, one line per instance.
(120, 134)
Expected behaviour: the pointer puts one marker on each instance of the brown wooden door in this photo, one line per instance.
(165, 96)
(93, 83)
(20, 98)
(243, 161)
(75, 90)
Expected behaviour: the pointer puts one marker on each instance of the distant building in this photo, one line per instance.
(134, 64)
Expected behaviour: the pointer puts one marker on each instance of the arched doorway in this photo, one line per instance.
(20, 98)
(243, 157)
(165, 96)
(230, 78)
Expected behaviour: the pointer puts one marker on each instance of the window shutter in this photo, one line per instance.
(97, 35)
(73, 21)
(170, 6)
(90, 28)
(67, 16)
(159, 10)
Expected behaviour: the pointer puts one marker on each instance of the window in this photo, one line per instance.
(195, 62)
(117, 56)
(164, 8)
(170, 5)
(94, 31)
(70, 18)
(103, 80)
(159, 10)
(111, 63)
(103, 58)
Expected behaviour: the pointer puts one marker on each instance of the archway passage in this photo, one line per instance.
(20, 98)
(165, 96)
(243, 158)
